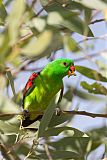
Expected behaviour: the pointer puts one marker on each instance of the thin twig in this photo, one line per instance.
(97, 20)
(9, 156)
(91, 55)
(23, 38)
(31, 149)
(62, 112)
(41, 10)
(93, 115)
(93, 38)
(47, 152)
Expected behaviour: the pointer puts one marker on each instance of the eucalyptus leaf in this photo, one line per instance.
(75, 144)
(59, 120)
(47, 42)
(98, 137)
(95, 88)
(10, 77)
(90, 73)
(61, 155)
(8, 128)
(14, 20)
(69, 20)
(70, 44)
(57, 130)
(86, 96)
(3, 12)
(94, 4)
(7, 106)
(46, 118)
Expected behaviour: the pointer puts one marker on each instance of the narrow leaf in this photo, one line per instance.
(10, 77)
(94, 4)
(3, 12)
(47, 42)
(90, 73)
(95, 88)
(46, 118)
(61, 155)
(8, 128)
(7, 106)
(70, 44)
(57, 130)
(14, 20)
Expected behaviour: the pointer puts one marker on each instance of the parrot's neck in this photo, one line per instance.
(50, 77)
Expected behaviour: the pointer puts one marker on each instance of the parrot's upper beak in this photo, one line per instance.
(71, 71)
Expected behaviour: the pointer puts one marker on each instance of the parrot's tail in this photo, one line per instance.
(26, 122)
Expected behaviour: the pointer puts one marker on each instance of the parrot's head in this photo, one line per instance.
(61, 67)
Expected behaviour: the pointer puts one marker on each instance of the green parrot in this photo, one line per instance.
(43, 86)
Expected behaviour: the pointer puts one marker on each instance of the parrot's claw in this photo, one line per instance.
(26, 113)
(57, 111)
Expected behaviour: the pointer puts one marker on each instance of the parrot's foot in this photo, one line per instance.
(57, 111)
(26, 113)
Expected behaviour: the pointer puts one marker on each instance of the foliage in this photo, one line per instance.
(26, 36)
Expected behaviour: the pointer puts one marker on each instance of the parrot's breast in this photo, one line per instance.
(42, 94)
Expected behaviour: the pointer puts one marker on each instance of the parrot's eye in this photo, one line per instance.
(65, 64)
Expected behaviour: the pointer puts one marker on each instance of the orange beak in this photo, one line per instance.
(71, 71)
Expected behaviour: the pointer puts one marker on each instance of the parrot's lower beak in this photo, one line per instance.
(71, 71)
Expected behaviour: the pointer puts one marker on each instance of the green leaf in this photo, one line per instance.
(4, 47)
(90, 73)
(14, 20)
(98, 137)
(7, 106)
(3, 12)
(64, 18)
(102, 66)
(47, 42)
(46, 118)
(75, 144)
(10, 77)
(95, 88)
(83, 95)
(70, 44)
(87, 15)
(57, 130)
(8, 128)
(87, 19)
(77, 25)
(57, 120)
(98, 133)
(94, 4)
(2, 82)
(61, 155)
(39, 24)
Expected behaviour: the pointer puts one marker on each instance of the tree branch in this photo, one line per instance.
(93, 38)
(90, 55)
(62, 112)
(93, 115)
(97, 20)
(8, 156)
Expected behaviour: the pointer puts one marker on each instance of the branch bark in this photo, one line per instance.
(62, 112)
(97, 20)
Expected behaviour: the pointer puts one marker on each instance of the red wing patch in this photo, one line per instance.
(29, 84)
